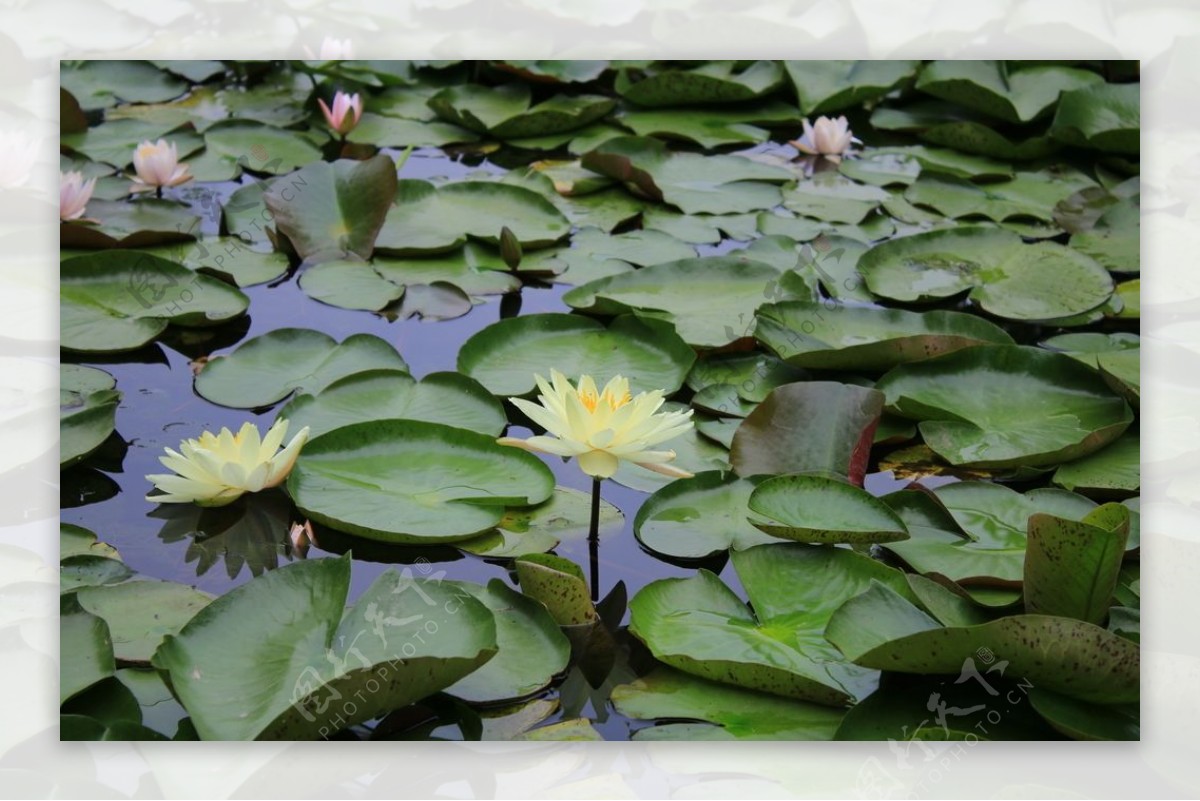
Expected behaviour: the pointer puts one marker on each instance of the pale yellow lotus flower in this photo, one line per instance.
(157, 165)
(73, 194)
(346, 111)
(217, 469)
(831, 138)
(602, 428)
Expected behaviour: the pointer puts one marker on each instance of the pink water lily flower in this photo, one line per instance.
(73, 195)
(340, 118)
(826, 137)
(157, 166)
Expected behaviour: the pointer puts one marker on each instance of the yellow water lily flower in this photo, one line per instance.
(217, 469)
(602, 428)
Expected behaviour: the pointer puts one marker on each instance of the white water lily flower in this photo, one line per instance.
(602, 428)
(826, 137)
(217, 469)
(73, 195)
(345, 114)
(157, 165)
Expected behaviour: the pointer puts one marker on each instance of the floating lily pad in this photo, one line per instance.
(289, 628)
(226, 257)
(573, 71)
(700, 229)
(1008, 278)
(506, 111)
(1106, 117)
(1115, 239)
(727, 712)
(827, 85)
(832, 197)
(119, 300)
(1112, 470)
(1082, 721)
(140, 613)
(87, 411)
(87, 570)
(698, 517)
(142, 223)
(333, 211)
(537, 529)
(594, 254)
(881, 629)
(1071, 566)
(114, 141)
(941, 160)
(506, 355)
(1056, 409)
(78, 541)
(102, 84)
(809, 427)
(259, 147)
(382, 394)
(86, 653)
(267, 369)
(712, 127)
(698, 625)
(952, 126)
(391, 131)
(753, 375)
(428, 219)
(693, 183)
(806, 334)
(994, 88)
(1026, 194)
(822, 510)
(531, 649)
(712, 82)
(414, 482)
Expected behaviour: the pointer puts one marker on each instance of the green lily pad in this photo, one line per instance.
(712, 82)
(226, 257)
(1056, 409)
(271, 367)
(114, 142)
(940, 160)
(809, 427)
(727, 712)
(1114, 469)
(140, 613)
(531, 649)
(1115, 240)
(87, 411)
(87, 570)
(1082, 721)
(333, 211)
(823, 511)
(410, 481)
(391, 131)
(102, 84)
(833, 197)
(536, 529)
(881, 168)
(881, 629)
(448, 398)
(693, 183)
(1071, 566)
(753, 375)
(506, 111)
(1026, 194)
(810, 335)
(259, 147)
(698, 625)
(1008, 278)
(289, 628)
(506, 355)
(119, 300)
(1105, 117)
(573, 71)
(559, 585)
(827, 85)
(108, 702)
(429, 219)
(699, 517)
(135, 224)
(201, 108)
(85, 649)
(78, 541)
(992, 87)
(712, 127)
(1130, 295)
(245, 214)
(953, 126)
(595, 254)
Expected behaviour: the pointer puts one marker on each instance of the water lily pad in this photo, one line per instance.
(753, 375)
(333, 211)
(550, 71)
(267, 369)
(698, 517)
(428, 219)
(392, 131)
(114, 141)
(1112, 470)
(940, 160)
(506, 355)
(102, 84)
(1106, 117)
(140, 613)
(727, 712)
(413, 482)
(475, 269)
(594, 254)
(1083, 721)
(822, 510)
(712, 127)
(698, 625)
(259, 147)
(448, 398)
(78, 541)
(289, 628)
(1071, 566)
(86, 653)
(226, 257)
(881, 629)
(506, 111)
(559, 585)
(827, 85)
(536, 529)
(700, 229)
(952, 126)
(807, 334)
(1008, 278)
(693, 183)
(1057, 409)
(712, 82)
(809, 427)
(531, 649)
(994, 88)
(119, 300)
(139, 224)
(1026, 194)
(88, 570)
(1115, 239)
(832, 197)
(87, 411)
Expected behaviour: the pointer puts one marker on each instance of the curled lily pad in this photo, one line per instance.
(559, 585)
(290, 628)
(822, 510)
(120, 300)
(1112, 470)
(88, 401)
(1106, 117)
(1056, 409)
(712, 82)
(506, 355)
(811, 335)
(698, 517)
(506, 111)
(1008, 278)
(992, 87)
(1072, 566)
(952, 126)
(414, 482)
(267, 369)
(448, 398)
